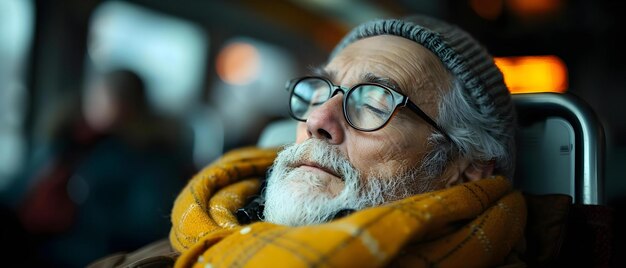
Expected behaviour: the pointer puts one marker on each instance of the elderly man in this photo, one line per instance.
(401, 157)
(368, 135)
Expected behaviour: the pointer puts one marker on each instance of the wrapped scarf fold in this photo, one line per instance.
(470, 225)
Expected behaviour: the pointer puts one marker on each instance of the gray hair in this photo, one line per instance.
(472, 133)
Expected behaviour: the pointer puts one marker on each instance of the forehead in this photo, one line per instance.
(416, 70)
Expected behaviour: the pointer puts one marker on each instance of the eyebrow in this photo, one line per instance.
(320, 71)
(372, 78)
(367, 78)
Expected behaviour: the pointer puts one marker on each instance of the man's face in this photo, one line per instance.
(100, 107)
(387, 159)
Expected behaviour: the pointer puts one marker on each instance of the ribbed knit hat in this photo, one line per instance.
(463, 56)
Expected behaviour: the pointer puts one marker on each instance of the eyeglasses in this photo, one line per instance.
(366, 107)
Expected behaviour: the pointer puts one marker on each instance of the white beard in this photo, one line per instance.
(296, 197)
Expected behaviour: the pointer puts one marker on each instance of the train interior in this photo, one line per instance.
(214, 75)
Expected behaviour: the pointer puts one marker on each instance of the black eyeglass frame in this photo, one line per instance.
(399, 99)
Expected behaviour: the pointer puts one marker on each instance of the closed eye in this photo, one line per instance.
(375, 110)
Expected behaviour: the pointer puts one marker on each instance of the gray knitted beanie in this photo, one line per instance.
(463, 56)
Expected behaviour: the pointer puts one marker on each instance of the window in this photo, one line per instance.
(16, 34)
(167, 52)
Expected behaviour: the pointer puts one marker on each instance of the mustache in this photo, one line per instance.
(318, 154)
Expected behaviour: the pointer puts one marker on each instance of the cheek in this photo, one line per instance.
(301, 133)
(389, 150)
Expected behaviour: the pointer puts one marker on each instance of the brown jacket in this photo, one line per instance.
(156, 254)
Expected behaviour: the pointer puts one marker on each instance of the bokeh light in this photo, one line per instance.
(487, 9)
(529, 8)
(238, 63)
(527, 74)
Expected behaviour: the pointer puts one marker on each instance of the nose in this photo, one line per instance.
(327, 122)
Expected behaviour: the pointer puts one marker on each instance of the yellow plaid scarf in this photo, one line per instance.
(469, 225)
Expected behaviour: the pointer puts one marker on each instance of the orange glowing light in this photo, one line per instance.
(533, 74)
(487, 9)
(238, 64)
(534, 7)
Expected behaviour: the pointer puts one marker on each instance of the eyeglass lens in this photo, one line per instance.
(367, 107)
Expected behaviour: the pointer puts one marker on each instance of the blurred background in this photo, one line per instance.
(82, 163)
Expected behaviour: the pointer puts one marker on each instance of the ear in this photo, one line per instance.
(462, 171)
(477, 171)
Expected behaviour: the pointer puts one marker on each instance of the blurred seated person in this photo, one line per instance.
(113, 188)
(403, 157)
